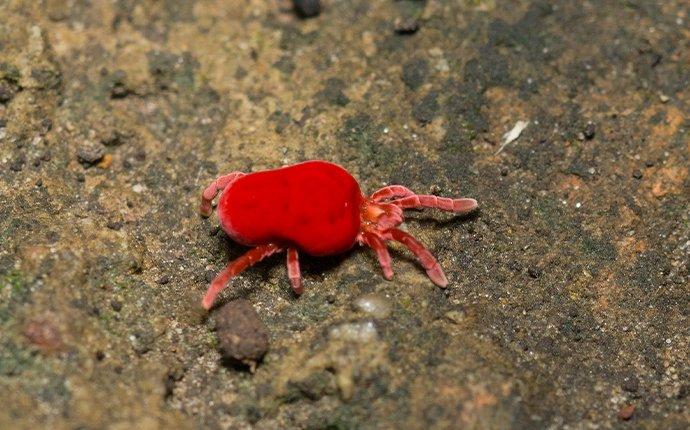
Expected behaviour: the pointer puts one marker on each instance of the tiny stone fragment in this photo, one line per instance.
(590, 130)
(626, 412)
(406, 25)
(242, 336)
(307, 8)
(143, 338)
(114, 225)
(43, 334)
(90, 153)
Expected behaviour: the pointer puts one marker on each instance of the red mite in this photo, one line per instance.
(315, 207)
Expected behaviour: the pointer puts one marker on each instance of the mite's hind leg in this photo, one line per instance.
(234, 267)
(212, 190)
(293, 271)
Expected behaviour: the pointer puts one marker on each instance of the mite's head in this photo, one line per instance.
(379, 216)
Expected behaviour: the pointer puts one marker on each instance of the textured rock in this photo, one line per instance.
(242, 336)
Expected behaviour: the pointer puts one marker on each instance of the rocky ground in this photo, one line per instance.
(569, 290)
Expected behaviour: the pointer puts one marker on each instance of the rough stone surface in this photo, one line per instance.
(242, 337)
(568, 294)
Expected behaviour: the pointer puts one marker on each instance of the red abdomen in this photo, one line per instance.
(314, 206)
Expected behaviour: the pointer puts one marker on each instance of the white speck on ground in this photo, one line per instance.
(513, 134)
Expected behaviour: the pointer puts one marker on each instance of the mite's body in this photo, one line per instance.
(310, 206)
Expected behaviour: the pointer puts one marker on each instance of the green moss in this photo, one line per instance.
(12, 281)
(13, 290)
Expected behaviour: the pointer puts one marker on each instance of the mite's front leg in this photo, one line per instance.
(212, 190)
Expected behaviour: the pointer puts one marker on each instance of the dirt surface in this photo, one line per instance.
(569, 290)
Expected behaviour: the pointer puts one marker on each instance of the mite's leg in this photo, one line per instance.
(392, 191)
(234, 267)
(293, 271)
(379, 246)
(433, 269)
(443, 203)
(210, 192)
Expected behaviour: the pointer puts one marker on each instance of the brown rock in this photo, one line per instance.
(90, 153)
(242, 336)
(406, 25)
(626, 412)
(44, 334)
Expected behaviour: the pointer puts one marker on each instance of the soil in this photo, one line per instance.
(569, 290)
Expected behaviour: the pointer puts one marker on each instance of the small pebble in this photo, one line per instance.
(590, 130)
(90, 153)
(143, 338)
(626, 412)
(307, 8)
(106, 161)
(373, 304)
(116, 305)
(119, 91)
(44, 334)
(242, 336)
(114, 225)
(637, 174)
(406, 25)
